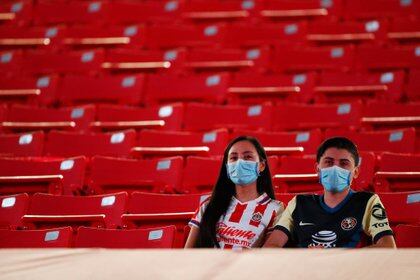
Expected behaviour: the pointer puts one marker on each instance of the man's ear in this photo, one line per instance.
(316, 167)
(356, 172)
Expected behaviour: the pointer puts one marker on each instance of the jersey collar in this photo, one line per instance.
(259, 200)
(336, 208)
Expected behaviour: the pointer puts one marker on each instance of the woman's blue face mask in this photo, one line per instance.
(335, 179)
(243, 172)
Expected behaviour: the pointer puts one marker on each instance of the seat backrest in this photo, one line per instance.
(402, 207)
(12, 209)
(407, 236)
(22, 144)
(154, 175)
(200, 174)
(44, 238)
(61, 143)
(147, 238)
(110, 205)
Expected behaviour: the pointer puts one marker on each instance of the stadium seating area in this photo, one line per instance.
(114, 115)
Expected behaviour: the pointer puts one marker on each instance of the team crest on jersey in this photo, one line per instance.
(256, 217)
(348, 223)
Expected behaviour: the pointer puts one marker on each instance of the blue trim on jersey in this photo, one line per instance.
(336, 208)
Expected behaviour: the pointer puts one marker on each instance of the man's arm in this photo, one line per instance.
(277, 239)
(386, 241)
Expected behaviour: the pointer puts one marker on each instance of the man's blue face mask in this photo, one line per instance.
(243, 172)
(335, 179)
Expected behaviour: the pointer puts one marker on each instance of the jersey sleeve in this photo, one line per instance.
(285, 220)
(196, 219)
(375, 220)
(275, 217)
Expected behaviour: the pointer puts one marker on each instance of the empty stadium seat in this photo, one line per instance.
(311, 9)
(162, 237)
(41, 238)
(398, 172)
(22, 144)
(46, 211)
(404, 30)
(11, 61)
(302, 116)
(154, 175)
(174, 88)
(387, 58)
(65, 144)
(41, 90)
(23, 117)
(123, 89)
(152, 210)
(252, 88)
(413, 86)
(12, 209)
(165, 117)
(407, 236)
(29, 37)
(55, 176)
(16, 12)
(206, 117)
(401, 207)
(359, 9)
(195, 180)
(226, 11)
(397, 141)
(172, 143)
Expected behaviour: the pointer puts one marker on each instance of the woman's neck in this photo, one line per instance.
(333, 199)
(246, 193)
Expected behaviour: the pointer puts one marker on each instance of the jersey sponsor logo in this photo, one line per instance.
(324, 238)
(348, 223)
(378, 212)
(380, 225)
(256, 217)
(305, 224)
(225, 230)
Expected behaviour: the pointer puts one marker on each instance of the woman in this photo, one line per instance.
(242, 209)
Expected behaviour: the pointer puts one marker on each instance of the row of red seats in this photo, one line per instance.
(193, 117)
(259, 59)
(407, 236)
(291, 174)
(397, 32)
(88, 237)
(217, 88)
(97, 12)
(211, 143)
(143, 210)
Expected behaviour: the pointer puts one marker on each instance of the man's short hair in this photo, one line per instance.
(339, 143)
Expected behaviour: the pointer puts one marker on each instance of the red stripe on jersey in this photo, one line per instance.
(273, 217)
(258, 215)
(237, 213)
(228, 246)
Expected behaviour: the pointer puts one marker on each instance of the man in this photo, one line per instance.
(340, 217)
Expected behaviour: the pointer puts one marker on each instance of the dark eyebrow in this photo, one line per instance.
(248, 152)
(329, 158)
(344, 159)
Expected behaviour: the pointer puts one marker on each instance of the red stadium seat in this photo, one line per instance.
(344, 87)
(398, 172)
(200, 174)
(41, 90)
(398, 141)
(46, 211)
(28, 37)
(359, 9)
(407, 236)
(16, 12)
(184, 35)
(165, 117)
(146, 238)
(298, 142)
(69, 62)
(11, 61)
(404, 30)
(41, 238)
(200, 87)
(206, 117)
(22, 144)
(123, 89)
(156, 210)
(263, 34)
(47, 12)
(154, 175)
(387, 58)
(173, 143)
(401, 207)
(302, 116)
(225, 11)
(55, 176)
(21, 118)
(413, 86)
(300, 59)
(252, 88)
(12, 209)
(64, 144)
(285, 197)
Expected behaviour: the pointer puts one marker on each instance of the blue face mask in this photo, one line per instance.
(243, 172)
(335, 179)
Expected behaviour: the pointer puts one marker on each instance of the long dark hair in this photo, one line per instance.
(223, 192)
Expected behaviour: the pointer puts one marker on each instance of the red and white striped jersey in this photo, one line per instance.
(244, 225)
